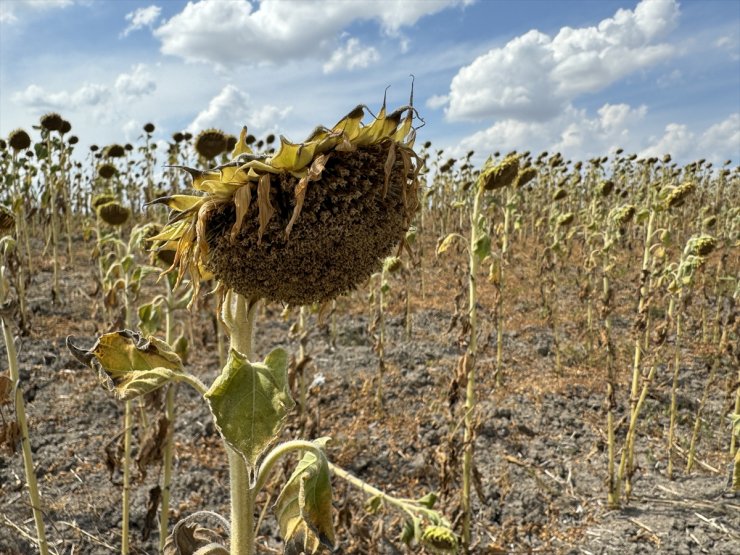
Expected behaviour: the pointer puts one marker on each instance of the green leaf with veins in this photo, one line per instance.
(128, 364)
(303, 508)
(249, 402)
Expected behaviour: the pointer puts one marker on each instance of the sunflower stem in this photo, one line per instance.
(239, 316)
(469, 433)
(20, 412)
(169, 445)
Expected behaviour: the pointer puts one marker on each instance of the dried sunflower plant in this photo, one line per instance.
(299, 226)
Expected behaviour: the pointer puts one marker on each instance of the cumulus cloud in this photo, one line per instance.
(140, 18)
(535, 76)
(127, 87)
(10, 11)
(352, 55)
(136, 84)
(234, 105)
(236, 33)
(717, 143)
(573, 132)
(89, 94)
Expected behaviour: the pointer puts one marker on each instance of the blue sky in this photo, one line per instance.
(583, 77)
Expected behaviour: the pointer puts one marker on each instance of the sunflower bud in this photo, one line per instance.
(700, 245)
(392, 264)
(439, 540)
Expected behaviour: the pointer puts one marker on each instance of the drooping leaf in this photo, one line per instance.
(482, 247)
(128, 364)
(446, 243)
(303, 508)
(249, 402)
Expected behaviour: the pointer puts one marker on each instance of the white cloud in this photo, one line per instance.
(723, 137)
(140, 18)
(717, 143)
(232, 108)
(135, 84)
(10, 9)
(536, 76)
(89, 94)
(437, 101)
(574, 133)
(236, 33)
(352, 55)
(730, 44)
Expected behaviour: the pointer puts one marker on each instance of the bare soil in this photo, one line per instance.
(540, 451)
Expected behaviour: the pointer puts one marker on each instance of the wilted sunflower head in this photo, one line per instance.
(114, 151)
(113, 213)
(107, 170)
(210, 143)
(7, 221)
(502, 174)
(19, 140)
(307, 223)
(700, 245)
(52, 121)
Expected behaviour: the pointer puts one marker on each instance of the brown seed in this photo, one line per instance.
(346, 228)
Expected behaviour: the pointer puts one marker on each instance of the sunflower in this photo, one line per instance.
(307, 223)
(7, 221)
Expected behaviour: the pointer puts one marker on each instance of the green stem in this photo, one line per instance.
(278, 451)
(407, 505)
(239, 316)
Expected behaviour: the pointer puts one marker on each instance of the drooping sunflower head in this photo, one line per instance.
(52, 121)
(113, 213)
(7, 221)
(210, 143)
(307, 223)
(19, 140)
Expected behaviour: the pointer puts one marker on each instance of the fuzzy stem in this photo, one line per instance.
(240, 315)
(278, 451)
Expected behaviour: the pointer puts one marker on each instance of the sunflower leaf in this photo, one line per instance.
(249, 402)
(128, 364)
(303, 508)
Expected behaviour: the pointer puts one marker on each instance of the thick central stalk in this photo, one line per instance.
(239, 316)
